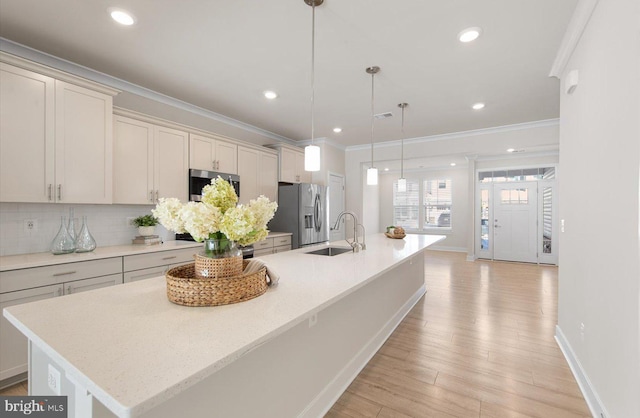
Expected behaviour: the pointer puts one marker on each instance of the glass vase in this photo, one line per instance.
(63, 243)
(221, 258)
(71, 227)
(85, 242)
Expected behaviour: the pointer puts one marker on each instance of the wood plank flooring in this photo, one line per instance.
(479, 344)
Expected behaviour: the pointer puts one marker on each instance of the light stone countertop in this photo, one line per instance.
(148, 349)
(23, 261)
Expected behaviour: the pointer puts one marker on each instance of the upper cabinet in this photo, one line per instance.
(291, 167)
(149, 162)
(258, 171)
(211, 154)
(55, 136)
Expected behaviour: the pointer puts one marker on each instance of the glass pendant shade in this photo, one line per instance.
(372, 176)
(402, 185)
(312, 158)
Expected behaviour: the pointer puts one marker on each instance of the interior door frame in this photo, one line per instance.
(340, 234)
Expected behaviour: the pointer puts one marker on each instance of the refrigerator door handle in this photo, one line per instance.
(317, 209)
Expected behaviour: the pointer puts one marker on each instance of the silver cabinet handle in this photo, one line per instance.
(169, 258)
(69, 290)
(49, 194)
(151, 196)
(59, 191)
(157, 195)
(58, 292)
(66, 273)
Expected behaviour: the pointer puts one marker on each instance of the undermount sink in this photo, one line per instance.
(330, 251)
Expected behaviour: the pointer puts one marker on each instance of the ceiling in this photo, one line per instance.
(222, 55)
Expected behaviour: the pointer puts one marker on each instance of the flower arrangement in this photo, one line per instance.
(217, 216)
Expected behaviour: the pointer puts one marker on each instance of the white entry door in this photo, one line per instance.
(515, 218)
(336, 205)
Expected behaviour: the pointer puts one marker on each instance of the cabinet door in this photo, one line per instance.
(91, 284)
(13, 344)
(26, 135)
(268, 178)
(171, 163)
(288, 166)
(301, 175)
(226, 157)
(134, 276)
(132, 161)
(84, 145)
(202, 152)
(248, 160)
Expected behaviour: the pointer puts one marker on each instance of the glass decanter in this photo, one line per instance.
(63, 243)
(84, 241)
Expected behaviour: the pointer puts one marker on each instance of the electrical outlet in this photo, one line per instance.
(53, 380)
(313, 319)
(30, 225)
(130, 221)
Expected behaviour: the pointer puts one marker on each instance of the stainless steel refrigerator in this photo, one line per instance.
(303, 210)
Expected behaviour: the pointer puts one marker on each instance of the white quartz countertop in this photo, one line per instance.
(133, 349)
(23, 261)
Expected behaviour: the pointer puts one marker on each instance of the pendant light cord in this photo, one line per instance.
(402, 147)
(372, 117)
(313, 65)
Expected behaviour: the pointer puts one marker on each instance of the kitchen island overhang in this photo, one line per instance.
(128, 351)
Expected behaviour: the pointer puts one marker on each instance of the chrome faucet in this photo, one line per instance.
(355, 245)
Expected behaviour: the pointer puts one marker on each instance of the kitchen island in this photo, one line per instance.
(127, 351)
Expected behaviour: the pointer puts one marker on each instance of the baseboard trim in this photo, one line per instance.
(588, 391)
(332, 392)
(451, 249)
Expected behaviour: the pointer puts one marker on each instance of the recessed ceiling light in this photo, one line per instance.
(511, 150)
(337, 130)
(121, 16)
(270, 94)
(452, 164)
(386, 169)
(478, 106)
(469, 34)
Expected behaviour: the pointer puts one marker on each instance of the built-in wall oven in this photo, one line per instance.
(200, 178)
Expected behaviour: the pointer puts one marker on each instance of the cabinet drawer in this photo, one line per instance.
(281, 249)
(280, 241)
(90, 284)
(43, 276)
(161, 258)
(261, 245)
(258, 253)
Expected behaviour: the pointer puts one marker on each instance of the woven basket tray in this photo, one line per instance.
(184, 288)
(207, 267)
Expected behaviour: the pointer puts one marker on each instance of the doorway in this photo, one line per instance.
(336, 205)
(515, 218)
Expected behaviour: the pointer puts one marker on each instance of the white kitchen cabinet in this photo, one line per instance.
(149, 162)
(145, 266)
(291, 164)
(55, 139)
(272, 245)
(13, 344)
(208, 153)
(258, 174)
(28, 285)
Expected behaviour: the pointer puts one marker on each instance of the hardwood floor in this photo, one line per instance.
(479, 344)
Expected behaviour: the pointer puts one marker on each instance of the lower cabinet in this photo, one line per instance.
(272, 246)
(146, 266)
(13, 344)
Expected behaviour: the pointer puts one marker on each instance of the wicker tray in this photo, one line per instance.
(184, 288)
(396, 236)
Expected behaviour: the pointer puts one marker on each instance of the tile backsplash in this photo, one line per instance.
(107, 224)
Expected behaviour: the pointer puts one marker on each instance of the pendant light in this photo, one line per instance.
(312, 152)
(372, 172)
(402, 182)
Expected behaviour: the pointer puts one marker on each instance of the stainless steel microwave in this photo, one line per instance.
(200, 178)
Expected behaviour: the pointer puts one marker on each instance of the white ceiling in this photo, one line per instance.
(222, 54)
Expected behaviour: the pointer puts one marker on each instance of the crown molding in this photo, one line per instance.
(60, 64)
(534, 154)
(460, 135)
(575, 29)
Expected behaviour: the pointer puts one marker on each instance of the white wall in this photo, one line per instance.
(331, 161)
(456, 238)
(599, 276)
(107, 224)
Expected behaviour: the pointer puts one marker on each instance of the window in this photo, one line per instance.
(426, 204)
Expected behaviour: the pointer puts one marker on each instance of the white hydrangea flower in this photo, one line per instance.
(220, 194)
(200, 219)
(166, 212)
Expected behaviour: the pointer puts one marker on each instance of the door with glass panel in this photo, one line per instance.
(515, 216)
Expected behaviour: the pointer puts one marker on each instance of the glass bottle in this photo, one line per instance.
(63, 243)
(84, 241)
(72, 226)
